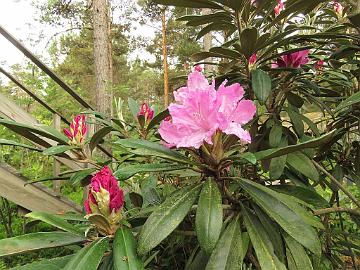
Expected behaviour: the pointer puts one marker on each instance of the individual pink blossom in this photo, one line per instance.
(252, 59)
(146, 111)
(319, 65)
(105, 196)
(200, 111)
(77, 130)
(292, 60)
(198, 68)
(338, 8)
(279, 7)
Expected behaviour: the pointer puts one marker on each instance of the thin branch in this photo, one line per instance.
(325, 211)
(337, 183)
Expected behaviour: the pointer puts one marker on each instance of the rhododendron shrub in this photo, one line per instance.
(245, 169)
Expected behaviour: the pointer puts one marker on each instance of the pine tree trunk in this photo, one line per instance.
(207, 43)
(102, 56)
(165, 64)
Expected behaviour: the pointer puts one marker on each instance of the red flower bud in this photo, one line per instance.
(146, 111)
(77, 130)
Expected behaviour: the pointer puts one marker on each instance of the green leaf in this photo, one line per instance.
(12, 143)
(234, 4)
(261, 84)
(277, 166)
(55, 221)
(217, 26)
(89, 257)
(301, 258)
(58, 149)
(128, 171)
(125, 257)
(78, 176)
(146, 148)
(276, 152)
(157, 119)
(209, 216)
(303, 164)
(262, 245)
(229, 252)
(296, 122)
(275, 135)
(134, 107)
(294, 99)
(353, 99)
(98, 136)
(166, 218)
(54, 132)
(291, 216)
(36, 241)
(189, 3)
(248, 39)
(46, 264)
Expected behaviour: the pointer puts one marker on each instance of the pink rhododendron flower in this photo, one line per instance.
(77, 130)
(252, 59)
(105, 196)
(292, 60)
(201, 110)
(319, 65)
(279, 7)
(198, 68)
(338, 8)
(146, 111)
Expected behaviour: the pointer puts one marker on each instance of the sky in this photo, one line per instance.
(18, 17)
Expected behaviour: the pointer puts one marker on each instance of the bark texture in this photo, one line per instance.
(207, 42)
(165, 63)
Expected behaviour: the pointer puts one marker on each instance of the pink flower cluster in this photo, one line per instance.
(146, 112)
(105, 196)
(292, 60)
(279, 7)
(77, 130)
(201, 110)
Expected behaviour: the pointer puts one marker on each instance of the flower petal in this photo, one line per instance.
(236, 129)
(244, 112)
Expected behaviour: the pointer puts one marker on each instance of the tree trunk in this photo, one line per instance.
(207, 42)
(165, 63)
(102, 56)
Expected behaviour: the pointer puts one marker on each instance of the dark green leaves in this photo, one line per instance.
(58, 149)
(51, 264)
(166, 218)
(128, 171)
(248, 39)
(261, 84)
(89, 257)
(12, 143)
(36, 241)
(291, 216)
(229, 251)
(98, 137)
(125, 257)
(303, 164)
(301, 258)
(209, 216)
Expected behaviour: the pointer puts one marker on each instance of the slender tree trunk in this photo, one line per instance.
(207, 44)
(102, 55)
(165, 63)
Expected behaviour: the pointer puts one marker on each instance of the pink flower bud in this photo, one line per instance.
(338, 8)
(252, 59)
(146, 111)
(319, 65)
(292, 60)
(198, 68)
(279, 7)
(105, 196)
(77, 130)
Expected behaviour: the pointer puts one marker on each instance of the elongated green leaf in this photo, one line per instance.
(58, 149)
(301, 258)
(353, 99)
(166, 218)
(36, 241)
(209, 216)
(275, 135)
(146, 148)
(125, 257)
(50, 264)
(12, 143)
(134, 107)
(296, 121)
(277, 166)
(157, 119)
(287, 213)
(78, 176)
(303, 164)
(276, 152)
(261, 243)
(229, 251)
(126, 172)
(55, 221)
(54, 132)
(248, 39)
(261, 84)
(98, 136)
(88, 257)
